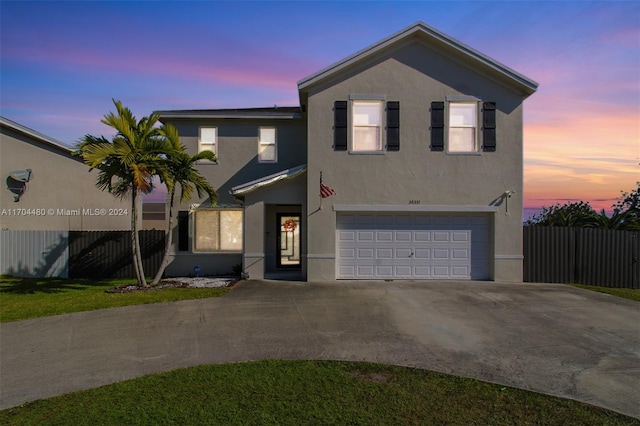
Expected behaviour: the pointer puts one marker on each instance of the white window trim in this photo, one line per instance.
(469, 101)
(203, 146)
(380, 100)
(275, 145)
(193, 232)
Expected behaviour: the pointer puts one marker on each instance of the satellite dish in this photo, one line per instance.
(21, 175)
(17, 183)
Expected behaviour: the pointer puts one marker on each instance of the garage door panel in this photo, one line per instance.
(347, 253)
(403, 253)
(421, 221)
(422, 236)
(384, 236)
(403, 271)
(384, 221)
(384, 270)
(365, 270)
(460, 272)
(401, 236)
(365, 220)
(440, 254)
(365, 236)
(441, 236)
(384, 253)
(441, 271)
(460, 254)
(422, 272)
(365, 253)
(346, 236)
(422, 254)
(410, 246)
(440, 220)
(347, 271)
(460, 236)
(404, 221)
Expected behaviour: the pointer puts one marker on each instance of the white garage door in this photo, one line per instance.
(412, 246)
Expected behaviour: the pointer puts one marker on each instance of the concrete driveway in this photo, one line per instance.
(548, 338)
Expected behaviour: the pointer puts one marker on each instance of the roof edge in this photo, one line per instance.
(529, 85)
(240, 190)
(246, 113)
(35, 134)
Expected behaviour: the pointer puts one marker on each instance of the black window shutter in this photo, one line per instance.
(183, 231)
(489, 126)
(393, 126)
(437, 126)
(340, 126)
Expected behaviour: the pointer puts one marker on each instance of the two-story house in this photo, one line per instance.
(417, 144)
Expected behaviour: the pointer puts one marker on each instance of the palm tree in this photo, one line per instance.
(180, 170)
(127, 164)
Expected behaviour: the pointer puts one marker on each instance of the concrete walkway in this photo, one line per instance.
(549, 338)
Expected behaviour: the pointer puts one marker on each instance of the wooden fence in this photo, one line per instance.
(598, 257)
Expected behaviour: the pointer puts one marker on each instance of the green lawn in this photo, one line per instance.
(270, 392)
(24, 298)
(627, 293)
(307, 393)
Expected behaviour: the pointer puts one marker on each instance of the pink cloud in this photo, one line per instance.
(580, 151)
(261, 68)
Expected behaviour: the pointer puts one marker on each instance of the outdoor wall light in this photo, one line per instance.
(507, 194)
(17, 183)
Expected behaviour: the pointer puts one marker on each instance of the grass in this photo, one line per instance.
(25, 298)
(273, 392)
(627, 293)
(307, 393)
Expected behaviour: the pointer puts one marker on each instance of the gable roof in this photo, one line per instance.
(240, 190)
(433, 37)
(36, 136)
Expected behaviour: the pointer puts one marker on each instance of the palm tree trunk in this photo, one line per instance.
(135, 241)
(167, 242)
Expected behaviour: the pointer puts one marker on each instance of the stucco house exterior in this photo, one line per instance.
(417, 140)
(46, 188)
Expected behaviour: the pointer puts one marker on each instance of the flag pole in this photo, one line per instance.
(320, 190)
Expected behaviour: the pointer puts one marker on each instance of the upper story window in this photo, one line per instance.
(208, 139)
(465, 124)
(358, 124)
(267, 145)
(463, 119)
(367, 126)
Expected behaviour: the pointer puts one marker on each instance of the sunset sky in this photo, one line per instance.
(63, 62)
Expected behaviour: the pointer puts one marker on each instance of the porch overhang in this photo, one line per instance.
(240, 190)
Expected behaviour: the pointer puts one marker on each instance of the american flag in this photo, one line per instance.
(325, 191)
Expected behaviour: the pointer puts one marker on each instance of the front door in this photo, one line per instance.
(288, 241)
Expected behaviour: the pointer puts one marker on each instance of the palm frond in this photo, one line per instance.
(170, 132)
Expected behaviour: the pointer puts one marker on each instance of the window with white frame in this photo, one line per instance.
(367, 126)
(463, 117)
(267, 147)
(208, 140)
(217, 230)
